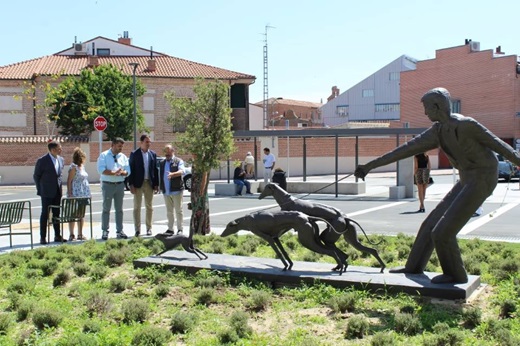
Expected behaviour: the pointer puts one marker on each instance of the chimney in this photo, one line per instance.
(125, 39)
(151, 65)
(335, 93)
(93, 61)
(498, 50)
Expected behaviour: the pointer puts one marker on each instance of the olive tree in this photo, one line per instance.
(207, 137)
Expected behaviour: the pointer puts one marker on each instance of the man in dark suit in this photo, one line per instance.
(47, 177)
(143, 180)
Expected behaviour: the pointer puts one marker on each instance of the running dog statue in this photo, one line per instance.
(170, 241)
(271, 226)
(337, 223)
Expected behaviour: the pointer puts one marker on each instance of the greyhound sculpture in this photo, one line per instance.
(337, 223)
(170, 241)
(271, 226)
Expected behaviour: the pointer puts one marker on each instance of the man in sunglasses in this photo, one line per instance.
(113, 166)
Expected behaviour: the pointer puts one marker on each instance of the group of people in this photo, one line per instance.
(269, 160)
(140, 170)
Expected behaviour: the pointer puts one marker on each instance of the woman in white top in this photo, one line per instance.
(249, 162)
(78, 186)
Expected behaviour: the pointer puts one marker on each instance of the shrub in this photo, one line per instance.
(407, 309)
(357, 327)
(472, 317)
(259, 300)
(151, 336)
(118, 284)
(135, 310)
(291, 243)
(80, 269)
(14, 299)
(206, 296)
(383, 339)
(61, 278)
(21, 286)
(48, 267)
(449, 337)
(228, 336)
(343, 303)
(46, 318)
(403, 251)
(78, 339)
(239, 323)
(309, 256)
(162, 290)
(24, 309)
(98, 303)
(407, 324)
(116, 258)
(182, 322)
(33, 273)
(209, 281)
(5, 322)
(91, 326)
(232, 241)
(98, 272)
(507, 308)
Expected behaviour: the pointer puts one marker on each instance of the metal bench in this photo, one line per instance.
(72, 209)
(11, 213)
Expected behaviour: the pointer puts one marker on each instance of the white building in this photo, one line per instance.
(376, 98)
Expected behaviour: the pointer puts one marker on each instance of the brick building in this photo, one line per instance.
(484, 84)
(298, 113)
(158, 72)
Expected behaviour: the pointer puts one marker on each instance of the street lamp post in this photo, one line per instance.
(134, 65)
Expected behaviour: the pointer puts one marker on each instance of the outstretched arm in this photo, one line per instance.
(425, 141)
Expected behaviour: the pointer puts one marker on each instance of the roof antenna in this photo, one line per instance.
(151, 52)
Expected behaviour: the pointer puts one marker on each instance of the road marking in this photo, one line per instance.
(229, 212)
(470, 227)
(369, 210)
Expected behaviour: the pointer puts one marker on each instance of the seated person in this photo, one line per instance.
(239, 178)
(280, 178)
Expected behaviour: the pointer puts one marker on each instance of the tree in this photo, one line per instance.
(103, 90)
(208, 138)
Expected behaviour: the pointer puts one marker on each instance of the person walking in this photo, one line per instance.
(249, 163)
(143, 181)
(470, 148)
(171, 171)
(78, 186)
(269, 161)
(47, 177)
(239, 179)
(113, 166)
(422, 177)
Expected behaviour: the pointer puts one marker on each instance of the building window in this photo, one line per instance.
(455, 106)
(368, 92)
(342, 111)
(388, 107)
(103, 52)
(394, 76)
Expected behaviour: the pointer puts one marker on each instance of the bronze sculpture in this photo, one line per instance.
(171, 241)
(271, 226)
(337, 223)
(469, 147)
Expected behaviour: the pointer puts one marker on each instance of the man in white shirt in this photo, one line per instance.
(269, 161)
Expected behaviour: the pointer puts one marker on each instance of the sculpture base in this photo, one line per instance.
(270, 270)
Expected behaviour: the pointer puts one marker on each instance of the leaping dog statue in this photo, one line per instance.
(271, 226)
(338, 224)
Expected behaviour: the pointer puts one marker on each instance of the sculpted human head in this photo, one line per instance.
(437, 104)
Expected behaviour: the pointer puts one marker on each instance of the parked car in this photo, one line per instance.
(506, 170)
(187, 173)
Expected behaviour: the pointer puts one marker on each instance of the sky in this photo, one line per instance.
(312, 44)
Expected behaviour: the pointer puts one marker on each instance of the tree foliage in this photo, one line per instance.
(207, 137)
(103, 90)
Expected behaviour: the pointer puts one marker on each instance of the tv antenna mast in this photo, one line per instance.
(266, 77)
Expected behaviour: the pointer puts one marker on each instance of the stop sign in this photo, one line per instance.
(100, 123)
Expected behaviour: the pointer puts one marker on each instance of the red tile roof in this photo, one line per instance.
(166, 67)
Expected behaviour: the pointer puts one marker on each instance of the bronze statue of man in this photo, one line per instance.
(469, 147)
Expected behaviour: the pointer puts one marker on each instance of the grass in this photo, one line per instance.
(90, 294)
